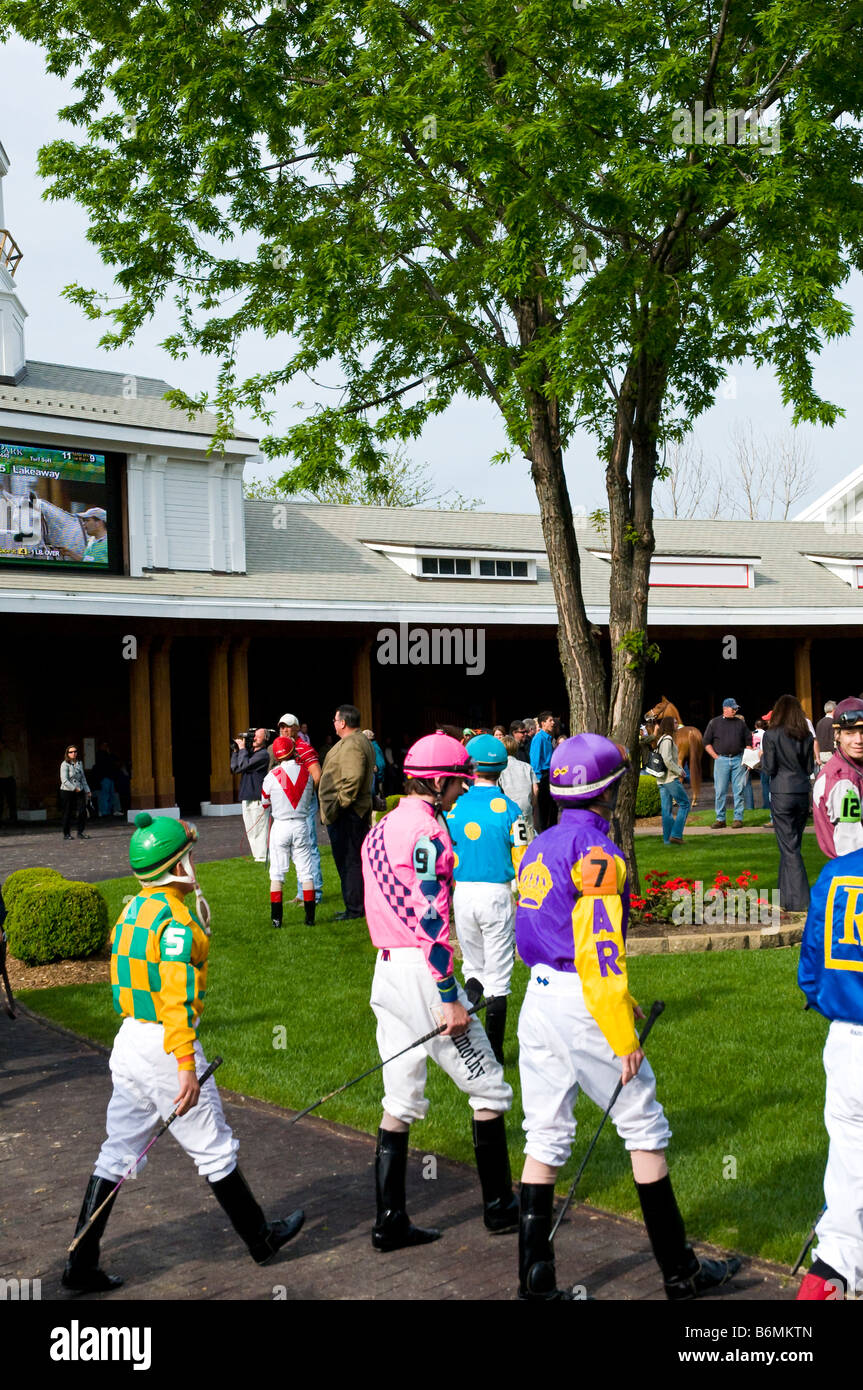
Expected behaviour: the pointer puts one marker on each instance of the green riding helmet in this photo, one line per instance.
(158, 844)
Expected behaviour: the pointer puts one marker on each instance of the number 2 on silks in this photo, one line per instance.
(598, 874)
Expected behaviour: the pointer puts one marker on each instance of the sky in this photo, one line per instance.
(456, 446)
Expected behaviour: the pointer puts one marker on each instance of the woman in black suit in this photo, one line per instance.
(787, 756)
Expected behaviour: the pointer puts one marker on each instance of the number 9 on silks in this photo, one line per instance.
(159, 953)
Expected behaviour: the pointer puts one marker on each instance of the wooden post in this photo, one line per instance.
(238, 687)
(160, 711)
(238, 694)
(142, 788)
(803, 673)
(362, 682)
(221, 781)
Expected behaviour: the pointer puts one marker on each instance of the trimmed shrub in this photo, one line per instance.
(647, 797)
(392, 803)
(21, 879)
(57, 920)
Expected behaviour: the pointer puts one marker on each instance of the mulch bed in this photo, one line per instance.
(95, 970)
(638, 929)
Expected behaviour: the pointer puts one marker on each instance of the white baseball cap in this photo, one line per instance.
(98, 512)
(290, 719)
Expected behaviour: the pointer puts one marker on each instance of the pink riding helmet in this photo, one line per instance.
(437, 755)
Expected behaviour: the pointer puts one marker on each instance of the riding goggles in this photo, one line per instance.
(849, 718)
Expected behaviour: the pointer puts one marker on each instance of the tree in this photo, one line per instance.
(398, 482)
(765, 479)
(584, 212)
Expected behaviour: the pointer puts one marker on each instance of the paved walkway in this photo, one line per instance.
(106, 853)
(169, 1239)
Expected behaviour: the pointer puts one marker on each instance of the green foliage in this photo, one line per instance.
(57, 921)
(22, 879)
(392, 802)
(647, 796)
(493, 199)
(640, 649)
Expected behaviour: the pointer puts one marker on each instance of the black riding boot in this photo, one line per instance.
(500, 1204)
(537, 1281)
(263, 1238)
(82, 1272)
(684, 1275)
(309, 911)
(473, 990)
(495, 1024)
(392, 1229)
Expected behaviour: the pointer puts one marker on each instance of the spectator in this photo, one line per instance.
(346, 802)
(74, 792)
(380, 762)
(308, 758)
(499, 731)
(252, 765)
(757, 746)
(104, 772)
(8, 783)
(541, 749)
(671, 788)
(787, 755)
(837, 796)
(518, 731)
(824, 745)
(725, 738)
(518, 782)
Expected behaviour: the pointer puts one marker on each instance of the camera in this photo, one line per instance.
(248, 738)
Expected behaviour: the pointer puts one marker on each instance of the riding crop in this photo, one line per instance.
(205, 1076)
(426, 1037)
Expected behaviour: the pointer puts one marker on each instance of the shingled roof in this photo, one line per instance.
(87, 393)
(320, 565)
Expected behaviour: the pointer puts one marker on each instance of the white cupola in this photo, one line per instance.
(12, 311)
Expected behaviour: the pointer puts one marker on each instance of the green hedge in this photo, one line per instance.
(647, 797)
(22, 879)
(57, 920)
(392, 803)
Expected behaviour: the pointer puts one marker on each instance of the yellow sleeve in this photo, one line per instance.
(177, 989)
(518, 843)
(599, 949)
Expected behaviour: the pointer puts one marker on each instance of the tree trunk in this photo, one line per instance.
(577, 638)
(629, 479)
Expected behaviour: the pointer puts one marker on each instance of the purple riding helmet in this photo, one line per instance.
(582, 768)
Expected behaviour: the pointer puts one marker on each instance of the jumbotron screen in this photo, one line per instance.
(55, 506)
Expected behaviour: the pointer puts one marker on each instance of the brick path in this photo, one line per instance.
(170, 1240)
(106, 853)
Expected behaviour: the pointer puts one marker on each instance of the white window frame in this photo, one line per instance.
(410, 558)
(741, 570)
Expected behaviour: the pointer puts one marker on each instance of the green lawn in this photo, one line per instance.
(738, 1061)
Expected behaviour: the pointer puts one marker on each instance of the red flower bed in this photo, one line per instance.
(658, 903)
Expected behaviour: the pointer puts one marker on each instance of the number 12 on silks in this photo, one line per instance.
(598, 874)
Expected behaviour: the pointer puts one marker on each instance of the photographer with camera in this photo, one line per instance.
(250, 757)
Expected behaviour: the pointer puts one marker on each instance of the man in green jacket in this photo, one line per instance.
(345, 794)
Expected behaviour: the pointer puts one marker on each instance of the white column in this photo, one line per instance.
(136, 471)
(215, 477)
(236, 517)
(158, 518)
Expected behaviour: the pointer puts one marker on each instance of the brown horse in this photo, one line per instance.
(690, 744)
